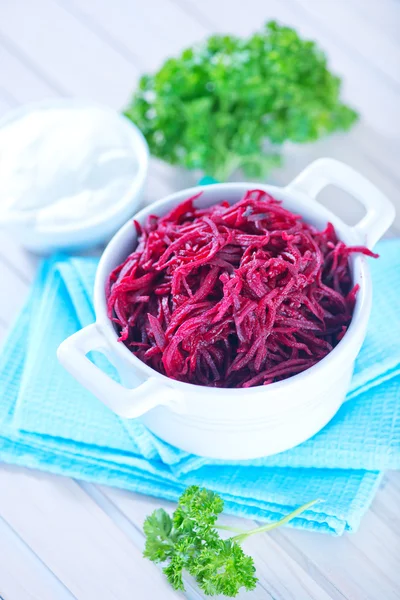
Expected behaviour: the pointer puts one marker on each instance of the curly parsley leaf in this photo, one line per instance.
(224, 568)
(160, 538)
(199, 507)
(230, 103)
(189, 541)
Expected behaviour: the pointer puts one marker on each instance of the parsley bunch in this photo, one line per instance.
(230, 103)
(189, 541)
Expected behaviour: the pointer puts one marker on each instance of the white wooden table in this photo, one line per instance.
(63, 539)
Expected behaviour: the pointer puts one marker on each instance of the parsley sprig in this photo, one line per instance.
(231, 103)
(189, 541)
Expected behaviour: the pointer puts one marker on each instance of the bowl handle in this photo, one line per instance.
(380, 211)
(125, 402)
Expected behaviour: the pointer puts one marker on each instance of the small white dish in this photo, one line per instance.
(236, 423)
(99, 228)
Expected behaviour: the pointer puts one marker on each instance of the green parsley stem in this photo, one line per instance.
(243, 534)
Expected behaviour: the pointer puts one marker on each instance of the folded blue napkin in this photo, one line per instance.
(48, 421)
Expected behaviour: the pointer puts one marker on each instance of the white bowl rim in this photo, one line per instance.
(139, 145)
(352, 336)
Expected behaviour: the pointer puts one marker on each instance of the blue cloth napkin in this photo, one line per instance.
(48, 421)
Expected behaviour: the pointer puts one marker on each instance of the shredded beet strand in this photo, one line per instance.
(233, 296)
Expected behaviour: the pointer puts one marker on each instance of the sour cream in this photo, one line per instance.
(64, 165)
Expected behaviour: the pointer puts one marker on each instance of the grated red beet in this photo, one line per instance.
(233, 296)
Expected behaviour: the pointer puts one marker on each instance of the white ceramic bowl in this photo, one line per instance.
(99, 228)
(236, 423)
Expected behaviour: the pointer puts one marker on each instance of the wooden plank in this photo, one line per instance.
(384, 152)
(138, 29)
(349, 569)
(346, 23)
(7, 99)
(13, 292)
(130, 529)
(16, 258)
(384, 15)
(19, 77)
(380, 545)
(3, 333)
(35, 582)
(279, 575)
(157, 185)
(70, 54)
(74, 537)
(6, 102)
(387, 502)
